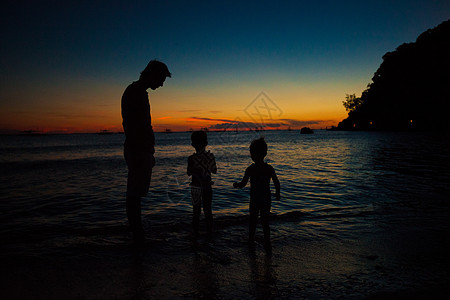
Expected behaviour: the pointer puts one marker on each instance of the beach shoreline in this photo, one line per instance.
(378, 265)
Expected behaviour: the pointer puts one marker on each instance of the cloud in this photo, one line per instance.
(215, 120)
(293, 122)
(282, 122)
(237, 123)
(244, 125)
(249, 125)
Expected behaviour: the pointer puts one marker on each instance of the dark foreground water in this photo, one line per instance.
(361, 214)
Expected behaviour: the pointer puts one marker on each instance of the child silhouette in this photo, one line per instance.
(260, 174)
(200, 165)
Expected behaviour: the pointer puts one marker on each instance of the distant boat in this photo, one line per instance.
(103, 132)
(31, 133)
(306, 130)
(168, 130)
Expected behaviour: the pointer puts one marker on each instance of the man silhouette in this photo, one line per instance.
(139, 147)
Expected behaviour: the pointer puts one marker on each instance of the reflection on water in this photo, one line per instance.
(72, 184)
(359, 212)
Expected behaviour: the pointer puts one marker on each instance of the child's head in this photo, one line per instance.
(199, 140)
(258, 149)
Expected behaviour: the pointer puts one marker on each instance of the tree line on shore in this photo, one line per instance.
(410, 89)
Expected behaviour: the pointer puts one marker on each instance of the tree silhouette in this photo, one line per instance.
(410, 88)
(351, 103)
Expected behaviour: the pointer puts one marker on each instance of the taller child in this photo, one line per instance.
(200, 165)
(139, 147)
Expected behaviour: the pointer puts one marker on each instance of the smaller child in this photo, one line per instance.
(260, 174)
(200, 165)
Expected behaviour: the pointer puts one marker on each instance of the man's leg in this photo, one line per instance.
(134, 216)
(139, 176)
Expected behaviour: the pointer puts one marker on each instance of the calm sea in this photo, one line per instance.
(58, 191)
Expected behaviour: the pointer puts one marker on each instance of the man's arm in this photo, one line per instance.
(147, 128)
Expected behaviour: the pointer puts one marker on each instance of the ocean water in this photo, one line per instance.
(71, 188)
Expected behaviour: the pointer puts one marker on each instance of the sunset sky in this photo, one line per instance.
(64, 64)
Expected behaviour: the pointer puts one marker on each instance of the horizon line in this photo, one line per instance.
(42, 133)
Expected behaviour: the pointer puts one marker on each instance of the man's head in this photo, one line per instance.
(258, 149)
(199, 140)
(154, 74)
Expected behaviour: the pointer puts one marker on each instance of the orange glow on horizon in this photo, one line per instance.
(182, 110)
(160, 124)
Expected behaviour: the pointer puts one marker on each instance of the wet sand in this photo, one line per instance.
(383, 263)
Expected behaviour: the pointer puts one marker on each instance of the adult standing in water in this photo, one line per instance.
(139, 147)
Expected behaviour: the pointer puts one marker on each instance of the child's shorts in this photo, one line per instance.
(196, 195)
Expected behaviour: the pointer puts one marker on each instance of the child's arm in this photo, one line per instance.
(243, 182)
(213, 165)
(276, 182)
